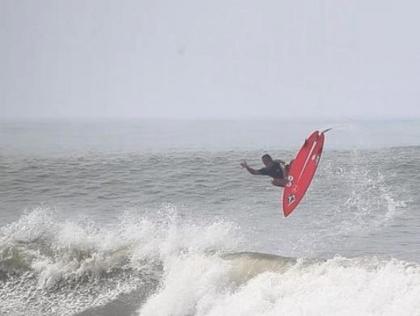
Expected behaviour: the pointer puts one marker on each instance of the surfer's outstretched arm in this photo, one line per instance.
(250, 170)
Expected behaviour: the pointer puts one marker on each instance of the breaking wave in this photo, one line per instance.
(49, 267)
(162, 265)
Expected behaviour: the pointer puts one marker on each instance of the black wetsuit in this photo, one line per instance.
(275, 171)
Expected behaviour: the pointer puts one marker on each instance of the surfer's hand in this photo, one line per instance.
(244, 164)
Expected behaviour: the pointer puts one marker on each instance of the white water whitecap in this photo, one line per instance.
(339, 286)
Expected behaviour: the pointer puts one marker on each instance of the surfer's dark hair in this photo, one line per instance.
(267, 156)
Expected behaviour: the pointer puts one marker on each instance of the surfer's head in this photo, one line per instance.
(267, 160)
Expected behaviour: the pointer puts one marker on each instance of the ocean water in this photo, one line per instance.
(156, 217)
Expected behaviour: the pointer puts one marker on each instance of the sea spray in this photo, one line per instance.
(339, 286)
(49, 267)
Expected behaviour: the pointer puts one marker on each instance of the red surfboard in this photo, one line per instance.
(302, 171)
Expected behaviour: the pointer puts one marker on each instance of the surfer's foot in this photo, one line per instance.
(289, 165)
(280, 182)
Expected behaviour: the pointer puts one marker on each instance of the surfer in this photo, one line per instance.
(277, 169)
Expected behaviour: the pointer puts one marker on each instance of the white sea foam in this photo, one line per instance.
(186, 269)
(340, 286)
(66, 267)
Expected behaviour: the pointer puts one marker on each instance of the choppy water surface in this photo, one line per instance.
(167, 223)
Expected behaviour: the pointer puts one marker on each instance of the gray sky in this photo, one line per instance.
(218, 58)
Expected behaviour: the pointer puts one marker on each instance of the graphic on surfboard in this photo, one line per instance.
(302, 171)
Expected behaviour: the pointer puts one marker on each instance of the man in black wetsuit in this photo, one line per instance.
(277, 169)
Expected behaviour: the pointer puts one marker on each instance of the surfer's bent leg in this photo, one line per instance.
(288, 166)
(280, 182)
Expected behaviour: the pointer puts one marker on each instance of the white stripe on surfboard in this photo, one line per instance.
(307, 160)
